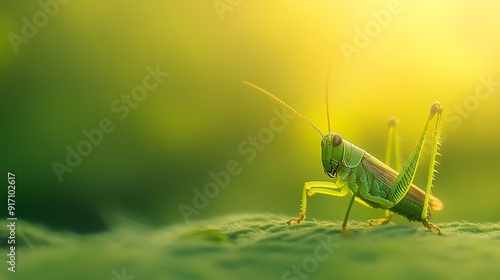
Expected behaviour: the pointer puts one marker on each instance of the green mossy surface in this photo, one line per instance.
(262, 246)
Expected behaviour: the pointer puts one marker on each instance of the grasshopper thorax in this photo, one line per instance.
(332, 150)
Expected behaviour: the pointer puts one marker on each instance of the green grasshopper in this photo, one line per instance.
(373, 183)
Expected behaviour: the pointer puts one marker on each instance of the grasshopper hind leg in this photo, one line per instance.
(431, 226)
(392, 144)
(405, 178)
(436, 109)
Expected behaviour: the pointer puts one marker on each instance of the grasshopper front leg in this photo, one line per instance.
(313, 187)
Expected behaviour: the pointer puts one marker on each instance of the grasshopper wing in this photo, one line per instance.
(388, 176)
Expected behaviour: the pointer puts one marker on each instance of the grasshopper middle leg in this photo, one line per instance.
(392, 144)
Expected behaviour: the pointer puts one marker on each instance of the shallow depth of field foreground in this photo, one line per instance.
(259, 246)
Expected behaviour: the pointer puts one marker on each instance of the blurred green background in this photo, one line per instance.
(89, 53)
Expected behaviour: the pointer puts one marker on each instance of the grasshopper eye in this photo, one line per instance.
(337, 139)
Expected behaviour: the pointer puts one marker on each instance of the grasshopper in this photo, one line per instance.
(372, 183)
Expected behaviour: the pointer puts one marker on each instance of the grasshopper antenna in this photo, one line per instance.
(326, 94)
(284, 105)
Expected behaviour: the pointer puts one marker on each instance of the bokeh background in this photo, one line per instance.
(65, 78)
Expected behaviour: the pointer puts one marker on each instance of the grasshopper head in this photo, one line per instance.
(332, 149)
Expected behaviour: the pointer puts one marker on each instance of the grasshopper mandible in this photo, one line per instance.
(372, 183)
